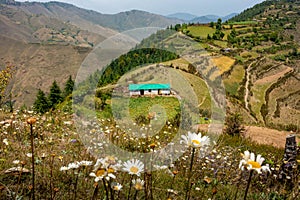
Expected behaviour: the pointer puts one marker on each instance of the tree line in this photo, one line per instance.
(45, 103)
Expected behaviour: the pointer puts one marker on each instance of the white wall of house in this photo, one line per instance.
(134, 93)
(151, 92)
(165, 92)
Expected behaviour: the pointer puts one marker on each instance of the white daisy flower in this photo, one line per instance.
(16, 162)
(29, 155)
(117, 186)
(64, 168)
(250, 163)
(73, 165)
(85, 163)
(133, 167)
(138, 184)
(195, 140)
(5, 141)
(103, 173)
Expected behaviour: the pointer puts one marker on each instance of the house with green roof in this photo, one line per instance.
(150, 89)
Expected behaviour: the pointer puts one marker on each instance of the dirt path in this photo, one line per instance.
(247, 85)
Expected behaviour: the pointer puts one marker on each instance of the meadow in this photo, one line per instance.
(66, 168)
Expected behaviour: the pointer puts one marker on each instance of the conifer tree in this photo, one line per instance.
(55, 95)
(69, 87)
(41, 103)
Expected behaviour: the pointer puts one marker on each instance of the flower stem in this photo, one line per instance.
(130, 184)
(76, 183)
(135, 195)
(32, 159)
(95, 192)
(106, 190)
(248, 184)
(187, 194)
(112, 197)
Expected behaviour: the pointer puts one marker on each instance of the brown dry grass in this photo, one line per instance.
(268, 136)
(276, 76)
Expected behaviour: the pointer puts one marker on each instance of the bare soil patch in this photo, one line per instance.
(271, 78)
(260, 135)
(263, 135)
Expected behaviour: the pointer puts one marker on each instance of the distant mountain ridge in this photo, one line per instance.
(200, 19)
(68, 12)
(182, 16)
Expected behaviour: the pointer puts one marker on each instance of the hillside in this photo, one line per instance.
(258, 63)
(40, 36)
(86, 18)
(263, 83)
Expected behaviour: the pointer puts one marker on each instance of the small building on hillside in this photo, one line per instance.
(150, 89)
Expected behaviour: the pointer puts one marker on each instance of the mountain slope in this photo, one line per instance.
(211, 18)
(182, 16)
(49, 41)
(80, 17)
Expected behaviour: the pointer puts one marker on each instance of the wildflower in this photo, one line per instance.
(152, 146)
(29, 155)
(85, 163)
(16, 162)
(5, 141)
(103, 173)
(117, 186)
(250, 163)
(73, 165)
(195, 140)
(60, 158)
(138, 184)
(31, 120)
(133, 167)
(64, 168)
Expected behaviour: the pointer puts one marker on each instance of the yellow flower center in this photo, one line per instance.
(110, 170)
(254, 164)
(100, 172)
(116, 187)
(197, 142)
(138, 186)
(134, 169)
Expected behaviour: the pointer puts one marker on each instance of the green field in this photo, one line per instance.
(201, 31)
(142, 106)
(232, 83)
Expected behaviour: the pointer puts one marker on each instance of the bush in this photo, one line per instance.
(234, 125)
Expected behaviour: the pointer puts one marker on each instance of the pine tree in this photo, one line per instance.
(55, 95)
(68, 87)
(41, 104)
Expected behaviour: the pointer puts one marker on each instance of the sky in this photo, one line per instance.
(164, 7)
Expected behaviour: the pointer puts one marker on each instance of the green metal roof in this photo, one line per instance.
(151, 86)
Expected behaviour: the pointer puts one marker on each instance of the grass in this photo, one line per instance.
(58, 144)
(224, 63)
(244, 23)
(201, 31)
(258, 99)
(232, 83)
(142, 106)
(200, 89)
(222, 44)
(180, 62)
